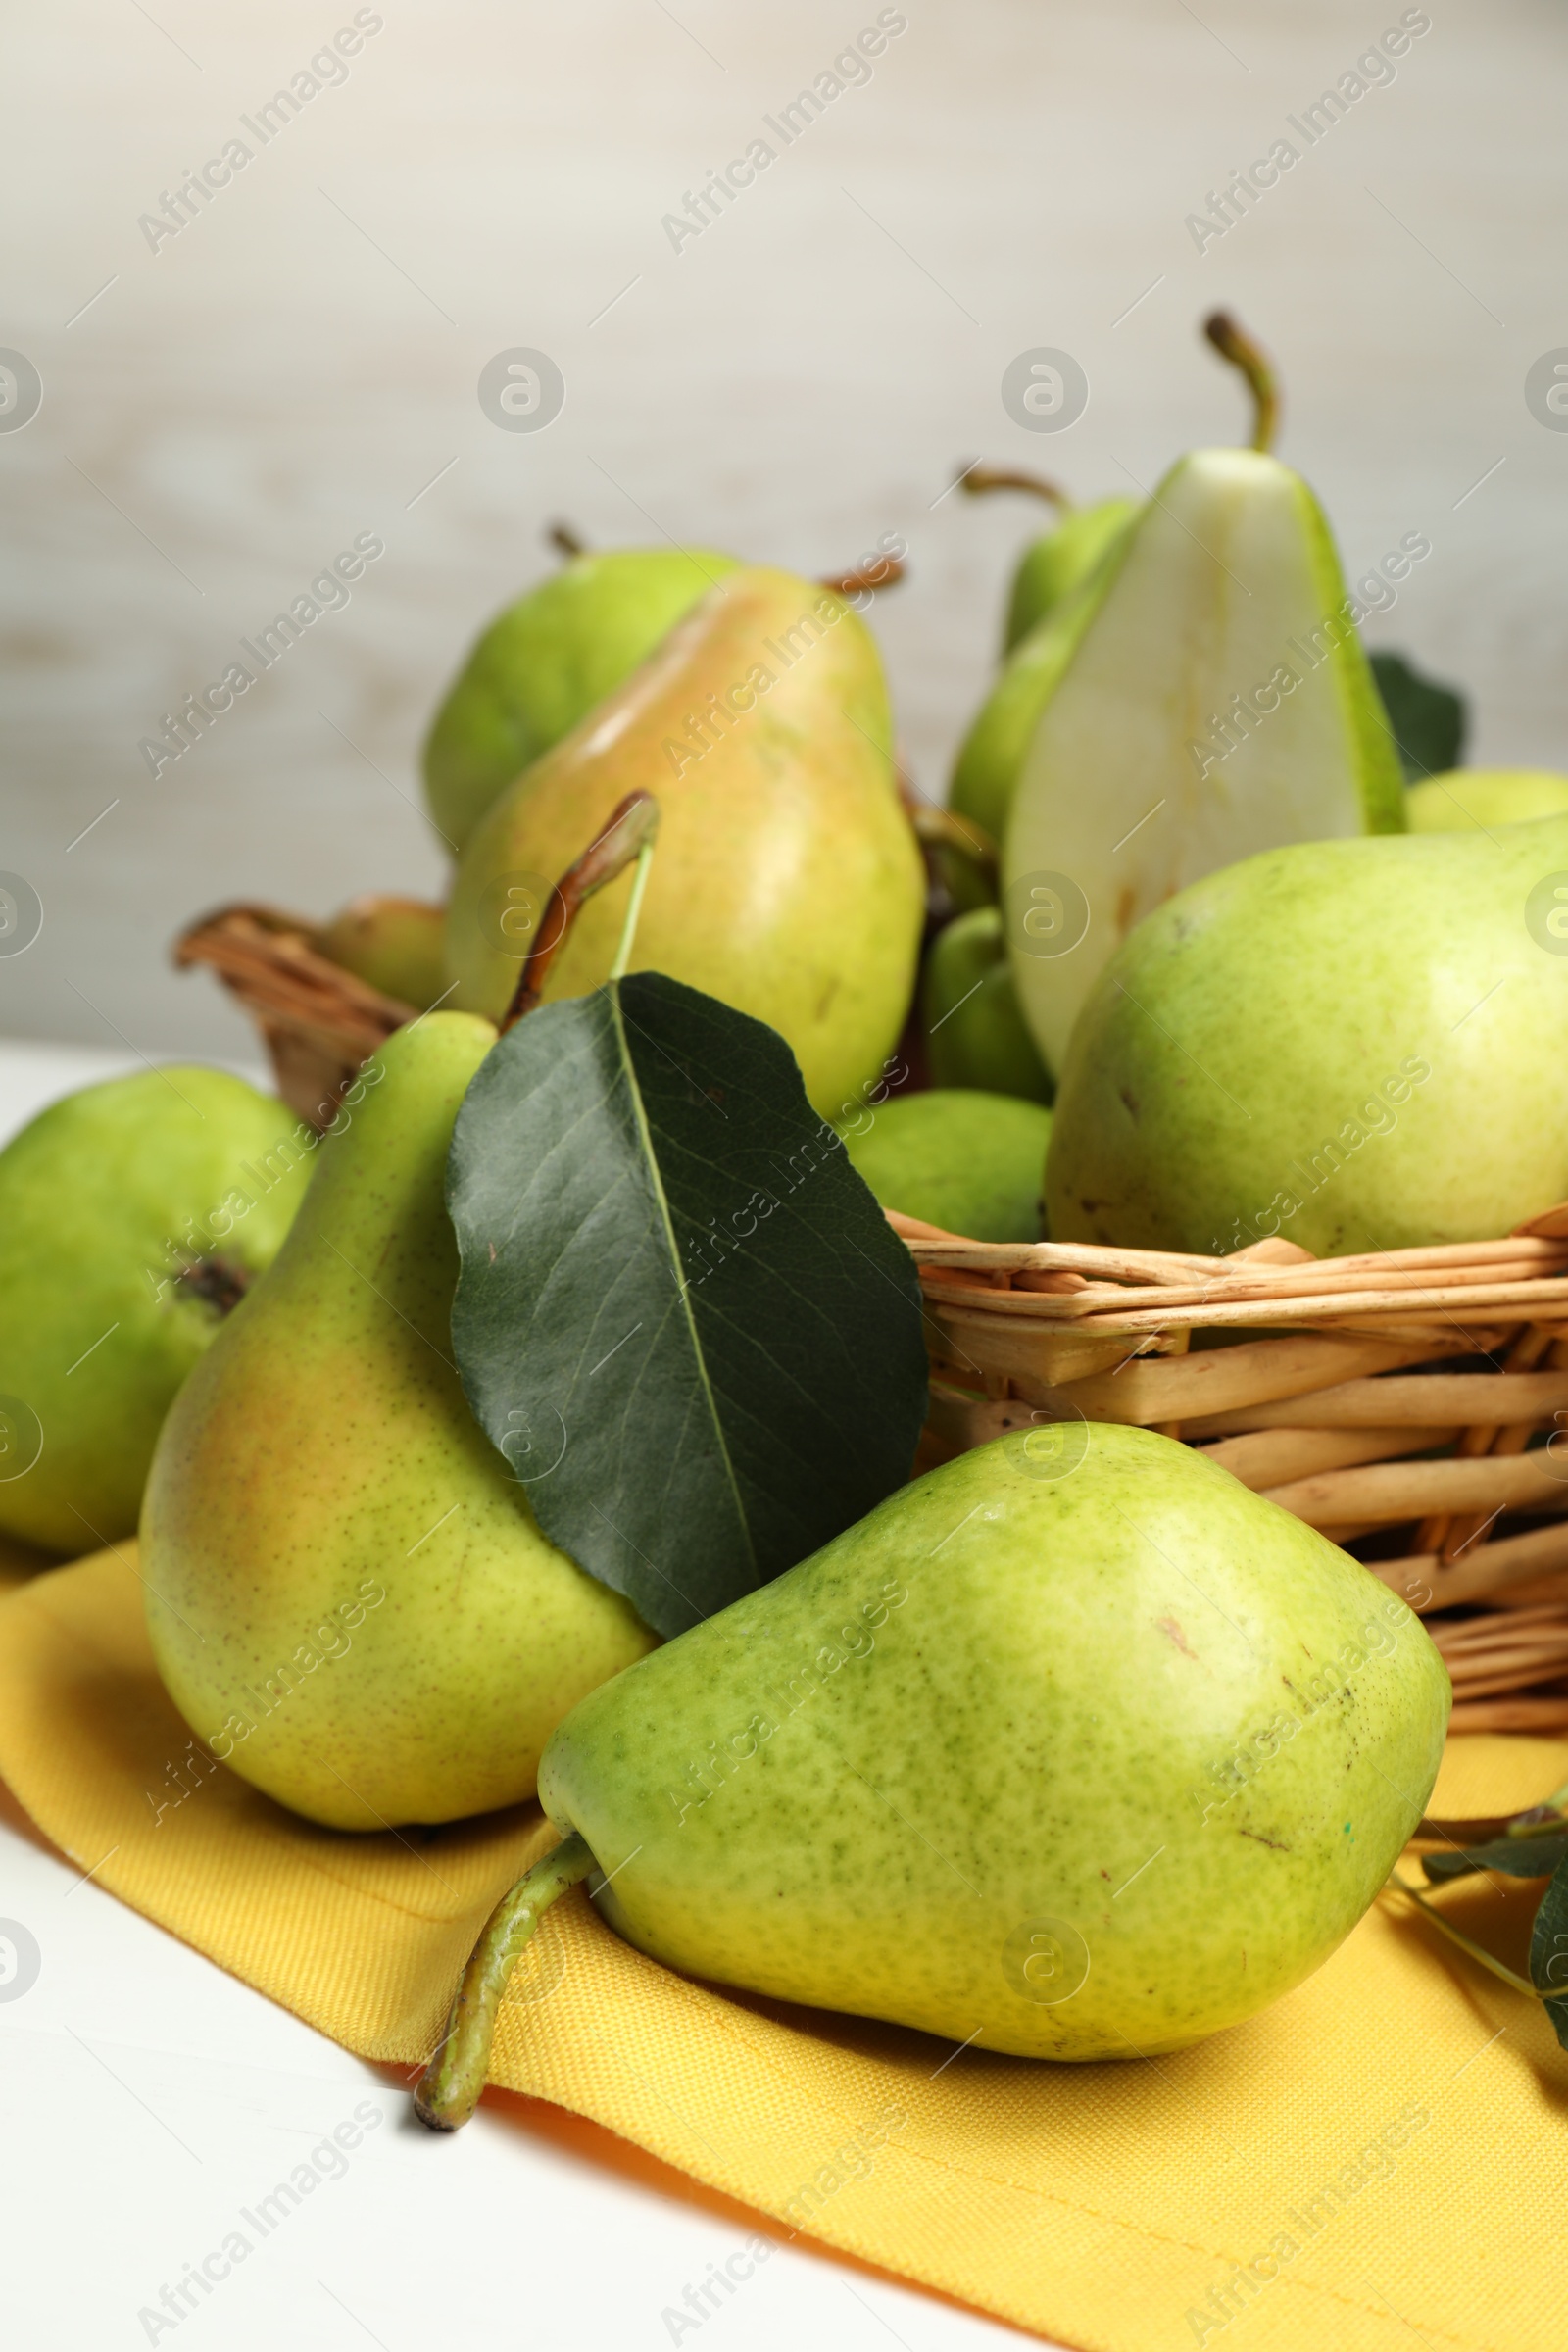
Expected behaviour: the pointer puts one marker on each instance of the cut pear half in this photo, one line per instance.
(1217, 704)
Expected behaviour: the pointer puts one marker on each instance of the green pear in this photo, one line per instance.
(974, 1032)
(788, 881)
(1051, 565)
(1357, 1044)
(1216, 703)
(544, 662)
(971, 1162)
(985, 776)
(1073, 1748)
(132, 1216)
(1056, 592)
(392, 944)
(348, 1597)
(1474, 799)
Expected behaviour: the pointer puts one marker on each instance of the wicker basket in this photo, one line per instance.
(1398, 1401)
(1391, 1401)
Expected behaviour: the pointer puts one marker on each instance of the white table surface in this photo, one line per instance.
(149, 2097)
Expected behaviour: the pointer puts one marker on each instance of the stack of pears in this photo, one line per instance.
(1221, 977)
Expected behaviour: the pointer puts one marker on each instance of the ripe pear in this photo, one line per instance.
(1216, 703)
(974, 1032)
(1073, 1748)
(544, 662)
(394, 944)
(1475, 798)
(971, 1162)
(348, 1597)
(1357, 1043)
(1051, 565)
(132, 1216)
(788, 881)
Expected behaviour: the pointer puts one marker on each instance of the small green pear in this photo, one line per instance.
(971, 1162)
(543, 663)
(348, 1595)
(1074, 1748)
(1354, 1044)
(1053, 565)
(974, 1032)
(132, 1216)
(394, 944)
(1217, 701)
(1470, 799)
(788, 880)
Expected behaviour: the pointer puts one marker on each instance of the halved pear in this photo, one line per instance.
(1217, 704)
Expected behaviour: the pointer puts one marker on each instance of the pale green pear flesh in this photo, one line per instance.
(969, 1162)
(1358, 1045)
(786, 880)
(1470, 799)
(1217, 704)
(104, 1198)
(349, 1597)
(543, 663)
(1079, 1753)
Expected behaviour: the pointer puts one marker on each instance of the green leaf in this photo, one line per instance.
(1428, 720)
(681, 1317)
(1548, 1949)
(1516, 1857)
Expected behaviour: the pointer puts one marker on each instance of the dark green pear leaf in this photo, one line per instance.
(681, 1317)
(1428, 720)
(1516, 1857)
(1548, 1951)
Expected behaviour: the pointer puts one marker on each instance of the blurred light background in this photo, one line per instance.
(299, 365)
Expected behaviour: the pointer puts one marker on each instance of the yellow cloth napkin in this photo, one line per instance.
(1384, 2152)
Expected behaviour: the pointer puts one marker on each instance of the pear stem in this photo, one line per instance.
(1476, 1951)
(976, 480)
(1235, 344)
(451, 2084)
(565, 540)
(629, 834)
(883, 571)
(938, 828)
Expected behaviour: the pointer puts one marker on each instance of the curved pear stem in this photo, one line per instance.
(629, 834)
(565, 540)
(1235, 344)
(882, 573)
(451, 2084)
(944, 829)
(976, 480)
